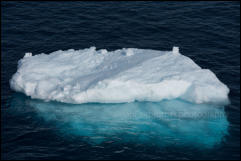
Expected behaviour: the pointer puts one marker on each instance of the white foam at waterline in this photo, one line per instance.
(125, 75)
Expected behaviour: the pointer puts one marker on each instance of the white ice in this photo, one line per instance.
(125, 75)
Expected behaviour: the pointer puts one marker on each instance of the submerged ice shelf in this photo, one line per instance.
(125, 75)
(165, 123)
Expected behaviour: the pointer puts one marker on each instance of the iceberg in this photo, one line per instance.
(129, 95)
(124, 75)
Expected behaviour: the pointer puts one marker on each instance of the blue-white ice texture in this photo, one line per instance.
(128, 95)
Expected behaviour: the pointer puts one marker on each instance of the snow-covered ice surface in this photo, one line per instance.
(125, 75)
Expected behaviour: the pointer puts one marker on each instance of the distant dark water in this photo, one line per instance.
(207, 32)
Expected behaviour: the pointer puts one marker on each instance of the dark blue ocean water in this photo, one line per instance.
(207, 32)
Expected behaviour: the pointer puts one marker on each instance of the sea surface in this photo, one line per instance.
(207, 32)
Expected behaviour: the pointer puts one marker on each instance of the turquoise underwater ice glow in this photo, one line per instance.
(165, 123)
